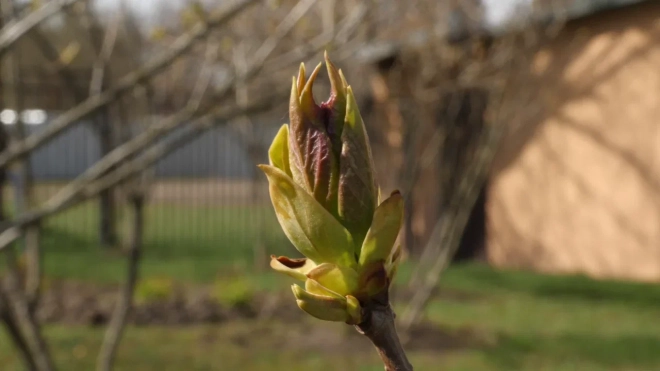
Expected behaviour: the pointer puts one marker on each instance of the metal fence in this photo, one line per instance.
(209, 190)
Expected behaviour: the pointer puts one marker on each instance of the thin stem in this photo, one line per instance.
(117, 324)
(379, 327)
(15, 334)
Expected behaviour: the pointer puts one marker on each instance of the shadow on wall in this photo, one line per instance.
(588, 52)
(576, 184)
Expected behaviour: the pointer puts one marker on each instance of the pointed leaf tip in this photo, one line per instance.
(343, 79)
(337, 87)
(262, 167)
(307, 101)
(294, 102)
(278, 153)
(301, 77)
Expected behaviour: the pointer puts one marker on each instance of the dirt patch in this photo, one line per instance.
(75, 303)
(308, 335)
(425, 337)
(431, 337)
(271, 320)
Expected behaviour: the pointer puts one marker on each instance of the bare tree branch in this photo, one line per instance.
(205, 122)
(346, 27)
(109, 120)
(26, 323)
(447, 233)
(19, 316)
(122, 308)
(205, 75)
(106, 48)
(195, 128)
(125, 84)
(14, 30)
(137, 191)
(52, 55)
(73, 192)
(298, 11)
(15, 333)
(127, 170)
(144, 139)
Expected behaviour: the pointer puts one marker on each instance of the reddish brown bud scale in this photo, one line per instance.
(312, 160)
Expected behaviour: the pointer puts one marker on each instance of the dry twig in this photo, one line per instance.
(125, 84)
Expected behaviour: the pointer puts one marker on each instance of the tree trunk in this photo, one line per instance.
(125, 303)
(15, 334)
(107, 206)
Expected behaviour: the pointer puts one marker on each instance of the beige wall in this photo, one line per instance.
(576, 188)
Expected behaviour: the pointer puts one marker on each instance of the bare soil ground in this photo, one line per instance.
(269, 315)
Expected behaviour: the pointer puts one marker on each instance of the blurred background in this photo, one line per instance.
(136, 230)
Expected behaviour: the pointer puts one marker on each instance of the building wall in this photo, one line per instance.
(576, 188)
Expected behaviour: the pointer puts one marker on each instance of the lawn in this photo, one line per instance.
(192, 243)
(494, 320)
(510, 321)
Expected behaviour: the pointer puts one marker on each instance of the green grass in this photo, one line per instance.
(555, 323)
(525, 322)
(185, 243)
(519, 320)
(198, 348)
